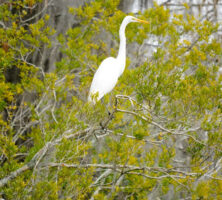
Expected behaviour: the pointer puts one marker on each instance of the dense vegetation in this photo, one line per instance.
(163, 134)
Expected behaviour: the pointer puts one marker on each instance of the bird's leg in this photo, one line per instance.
(106, 107)
(105, 123)
(113, 105)
(109, 113)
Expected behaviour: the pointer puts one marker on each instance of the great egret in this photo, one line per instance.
(111, 68)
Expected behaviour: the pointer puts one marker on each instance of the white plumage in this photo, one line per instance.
(111, 68)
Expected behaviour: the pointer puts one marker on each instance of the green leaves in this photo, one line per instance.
(159, 129)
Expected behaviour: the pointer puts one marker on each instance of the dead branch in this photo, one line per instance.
(30, 165)
(149, 120)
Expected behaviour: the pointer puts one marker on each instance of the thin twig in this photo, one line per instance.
(149, 120)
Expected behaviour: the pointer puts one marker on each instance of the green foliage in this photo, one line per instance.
(75, 150)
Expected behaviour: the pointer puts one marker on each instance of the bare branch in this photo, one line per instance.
(102, 176)
(40, 154)
(39, 13)
(14, 174)
(133, 137)
(149, 120)
(119, 168)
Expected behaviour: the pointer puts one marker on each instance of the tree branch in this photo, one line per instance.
(149, 120)
(127, 168)
(30, 165)
(14, 174)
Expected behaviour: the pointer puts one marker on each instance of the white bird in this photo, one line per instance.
(111, 68)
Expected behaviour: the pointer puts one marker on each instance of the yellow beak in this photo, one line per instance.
(142, 21)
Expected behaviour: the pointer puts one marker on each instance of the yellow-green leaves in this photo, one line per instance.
(157, 133)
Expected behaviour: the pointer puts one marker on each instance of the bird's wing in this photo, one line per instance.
(105, 78)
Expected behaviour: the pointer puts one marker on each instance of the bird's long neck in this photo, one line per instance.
(122, 47)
